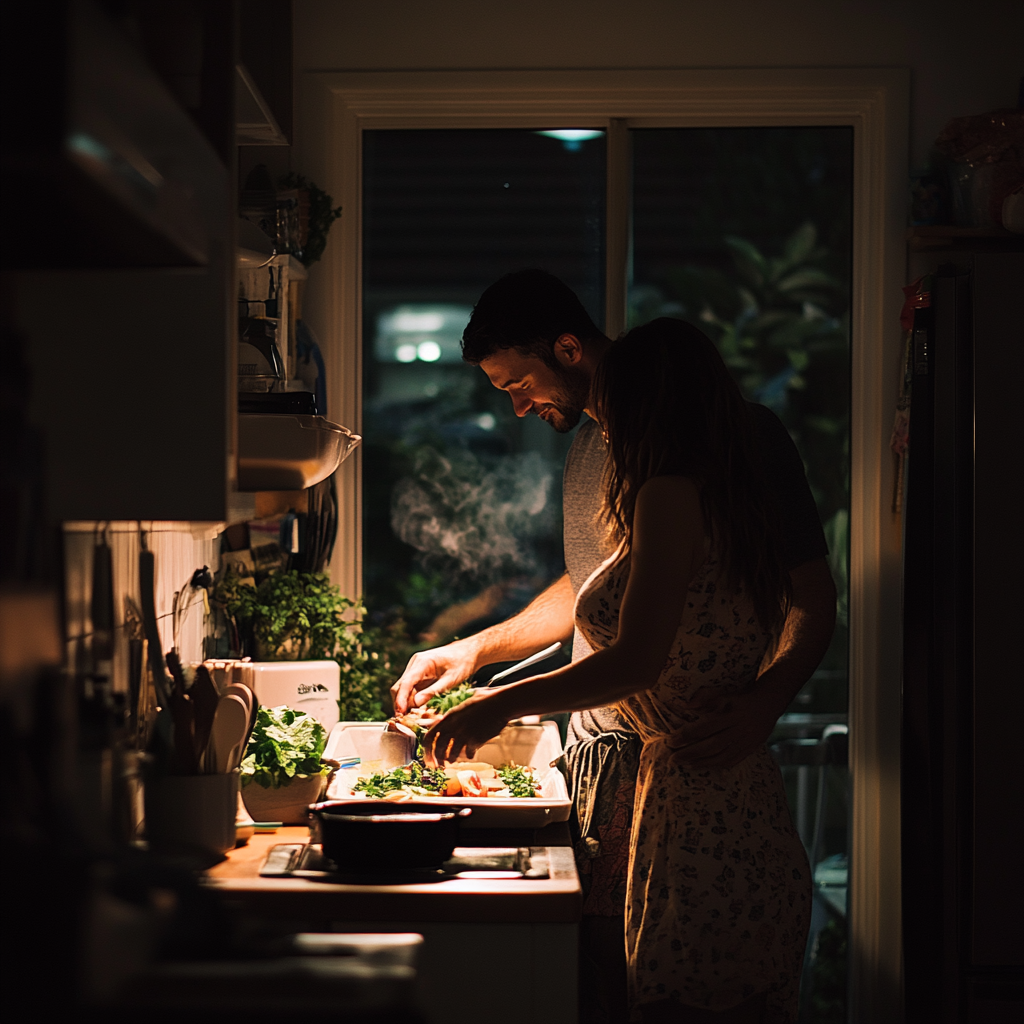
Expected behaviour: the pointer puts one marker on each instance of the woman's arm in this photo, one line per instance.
(668, 549)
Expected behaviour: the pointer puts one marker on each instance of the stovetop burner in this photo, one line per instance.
(307, 860)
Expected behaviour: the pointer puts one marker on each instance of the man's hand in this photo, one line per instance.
(432, 672)
(727, 732)
(547, 618)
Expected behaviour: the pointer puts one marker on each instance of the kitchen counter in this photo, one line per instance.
(547, 900)
(502, 951)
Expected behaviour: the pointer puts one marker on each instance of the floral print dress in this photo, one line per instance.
(719, 892)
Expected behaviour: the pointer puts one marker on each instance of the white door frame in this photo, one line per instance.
(334, 110)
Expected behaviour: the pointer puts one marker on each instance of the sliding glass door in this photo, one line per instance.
(745, 232)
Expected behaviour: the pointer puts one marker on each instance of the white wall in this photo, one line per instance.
(965, 58)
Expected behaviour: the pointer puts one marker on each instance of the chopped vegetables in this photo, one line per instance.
(464, 778)
(411, 778)
(518, 780)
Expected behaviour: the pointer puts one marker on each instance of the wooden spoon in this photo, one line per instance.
(229, 730)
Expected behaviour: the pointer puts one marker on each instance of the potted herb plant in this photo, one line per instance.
(283, 770)
(296, 615)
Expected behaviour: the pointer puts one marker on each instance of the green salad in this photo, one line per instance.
(284, 745)
(416, 779)
(413, 778)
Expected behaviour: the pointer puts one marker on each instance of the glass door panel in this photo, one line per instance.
(462, 501)
(746, 232)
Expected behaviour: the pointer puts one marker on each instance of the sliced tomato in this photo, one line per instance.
(472, 784)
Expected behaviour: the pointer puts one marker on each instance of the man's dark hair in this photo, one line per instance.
(527, 310)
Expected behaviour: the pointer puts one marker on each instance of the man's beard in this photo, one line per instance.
(563, 412)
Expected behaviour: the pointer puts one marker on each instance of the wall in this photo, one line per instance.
(178, 552)
(963, 60)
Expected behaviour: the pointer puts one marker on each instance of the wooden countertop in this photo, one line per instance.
(550, 900)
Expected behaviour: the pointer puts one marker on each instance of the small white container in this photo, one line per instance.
(310, 686)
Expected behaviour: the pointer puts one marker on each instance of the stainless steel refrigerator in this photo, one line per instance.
(963, 662)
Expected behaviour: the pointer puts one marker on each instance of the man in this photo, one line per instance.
(532, 337)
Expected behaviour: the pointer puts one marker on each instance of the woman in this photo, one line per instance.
(679, 616)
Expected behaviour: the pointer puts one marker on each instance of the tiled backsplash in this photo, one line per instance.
(178, 548)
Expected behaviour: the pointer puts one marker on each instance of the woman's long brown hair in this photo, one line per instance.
(670, 408)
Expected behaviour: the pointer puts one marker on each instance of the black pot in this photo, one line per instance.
(380, 836)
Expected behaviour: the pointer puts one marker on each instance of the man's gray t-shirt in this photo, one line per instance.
(583, 530)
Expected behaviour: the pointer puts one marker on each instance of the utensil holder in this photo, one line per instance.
(192, 812)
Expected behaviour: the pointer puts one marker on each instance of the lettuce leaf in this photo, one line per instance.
(285, 744)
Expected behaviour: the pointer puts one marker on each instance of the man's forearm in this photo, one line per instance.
(805, 636)
(546, 619)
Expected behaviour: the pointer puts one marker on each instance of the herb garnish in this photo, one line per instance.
(519, 780)
(411, 776)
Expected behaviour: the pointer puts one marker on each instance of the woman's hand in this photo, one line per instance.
(466, 727)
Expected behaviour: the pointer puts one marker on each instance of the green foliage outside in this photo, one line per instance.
(782, 325)
(284, 745)
(292, 615)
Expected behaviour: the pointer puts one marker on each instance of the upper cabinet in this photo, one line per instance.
(103, 166)
(119, 286)
(263, 83)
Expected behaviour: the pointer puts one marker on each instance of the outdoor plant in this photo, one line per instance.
(781, 324)
(294, 614)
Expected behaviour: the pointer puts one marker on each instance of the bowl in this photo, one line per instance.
(289, 803)
(380, 836)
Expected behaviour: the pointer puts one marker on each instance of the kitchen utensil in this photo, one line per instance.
(102, 608)
(230, 726)
(205, 698)
(245, 675)
(379, 836)
(525, 663)
(245, 694)
(183, 714)
(147, 573)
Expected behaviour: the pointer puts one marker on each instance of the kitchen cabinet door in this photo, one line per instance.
(133, 388)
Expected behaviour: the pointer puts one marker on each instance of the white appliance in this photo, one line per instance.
(310, 686)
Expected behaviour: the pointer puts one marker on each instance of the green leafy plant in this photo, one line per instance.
(303, 615)
(321, 216)
(284, 745)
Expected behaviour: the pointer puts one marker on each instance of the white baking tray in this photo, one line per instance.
(533, 745)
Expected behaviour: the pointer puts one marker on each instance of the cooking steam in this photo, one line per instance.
(454, 508)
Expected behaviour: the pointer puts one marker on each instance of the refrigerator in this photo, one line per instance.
(962, 844)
